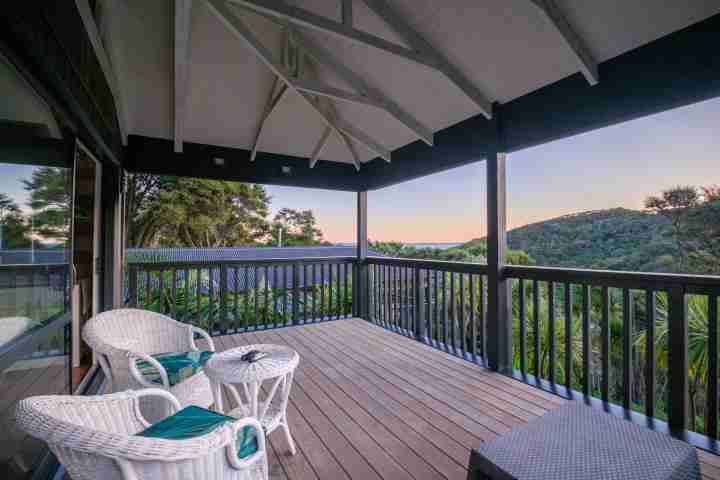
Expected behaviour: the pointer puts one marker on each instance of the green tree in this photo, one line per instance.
(141, 202)
(298, 227)
(13, 231)
(51, 201)
(209, 213)
(675, 205)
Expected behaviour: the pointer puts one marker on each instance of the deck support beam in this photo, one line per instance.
(499, 315)
(361, 269)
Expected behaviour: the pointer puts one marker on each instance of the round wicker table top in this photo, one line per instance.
(228, 366)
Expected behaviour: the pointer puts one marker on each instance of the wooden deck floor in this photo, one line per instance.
(371, 404)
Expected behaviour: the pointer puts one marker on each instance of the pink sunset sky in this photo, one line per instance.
(616, 166)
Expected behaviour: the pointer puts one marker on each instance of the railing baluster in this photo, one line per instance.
(523, 326)
(453, 312)
(267, 296)
(236, 300)
(551, 331)
(587, 386)
(223, 299)
(340, 287)
(173, 305)
(536, 328)
(463, 327)
(186, 310)
(436, 318)
(305, 292)
(402, 284)
(444, 310)
(345, 309)
(568, 335)
(256, 283)
(132, 286)
(147, 289)
(211, 296)
(473, 324)
(198, 295)
(605, 345)
(315, 293)
(712, 394)
(322, 291)
(628, 307)
(296, 292)
(483, 315)
(677, 360)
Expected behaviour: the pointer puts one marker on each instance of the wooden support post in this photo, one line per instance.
(361, 270)
(499, 317)
(677, 360)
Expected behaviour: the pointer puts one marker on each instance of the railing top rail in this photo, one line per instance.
(614, 278)
(462, 267)
(232, 263)
(33, 266)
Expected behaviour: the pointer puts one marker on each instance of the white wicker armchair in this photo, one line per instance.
(121, 338)
(94, 438)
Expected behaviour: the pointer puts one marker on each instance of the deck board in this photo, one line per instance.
(371, 404)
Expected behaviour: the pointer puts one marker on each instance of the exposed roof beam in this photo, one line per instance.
(588, 65)
(324, 90)
(304, 18)
(96, 41)
(323, 56)
(356, 157)
(396, 21)
(347, 13)
(320, 146)
(183, 9)
(233, 22)
(276, 96)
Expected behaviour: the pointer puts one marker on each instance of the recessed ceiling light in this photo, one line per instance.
(219, 161)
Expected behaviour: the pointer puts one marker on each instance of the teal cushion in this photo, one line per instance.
(195, 421)
(179, 366)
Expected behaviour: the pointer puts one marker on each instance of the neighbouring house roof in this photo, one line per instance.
(162, 255)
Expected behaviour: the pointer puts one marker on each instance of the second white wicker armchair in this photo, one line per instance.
(132, 345)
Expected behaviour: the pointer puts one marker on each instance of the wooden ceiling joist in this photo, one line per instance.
(236, 25)
(588, 65)
(183, 9)
(421, 52)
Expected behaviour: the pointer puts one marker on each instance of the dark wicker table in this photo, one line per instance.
(580, 443)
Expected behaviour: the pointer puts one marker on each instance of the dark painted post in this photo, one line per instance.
(361, 270)
(499, 315)
(677, 360)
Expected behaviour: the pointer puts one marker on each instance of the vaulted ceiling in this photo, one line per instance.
(387, 74)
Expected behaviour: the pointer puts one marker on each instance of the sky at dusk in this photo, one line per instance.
(614, 167)
(617, 166)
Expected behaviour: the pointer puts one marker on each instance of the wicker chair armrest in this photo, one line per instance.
(193, 330)
(133, 358)
(232, 448)
(34, 417)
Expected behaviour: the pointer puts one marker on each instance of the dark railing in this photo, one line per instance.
(442, 303)
(226, 297)
(642, 343)
(647, 342)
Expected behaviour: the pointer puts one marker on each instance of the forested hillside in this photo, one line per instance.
(614, 239)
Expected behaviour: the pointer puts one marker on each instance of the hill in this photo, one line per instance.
(614, 239)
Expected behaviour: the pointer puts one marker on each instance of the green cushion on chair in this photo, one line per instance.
(195, 421)
(179, 366)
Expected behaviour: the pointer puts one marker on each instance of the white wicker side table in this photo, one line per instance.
(275, 371)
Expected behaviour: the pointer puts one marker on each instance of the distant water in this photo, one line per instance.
(441, 246)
